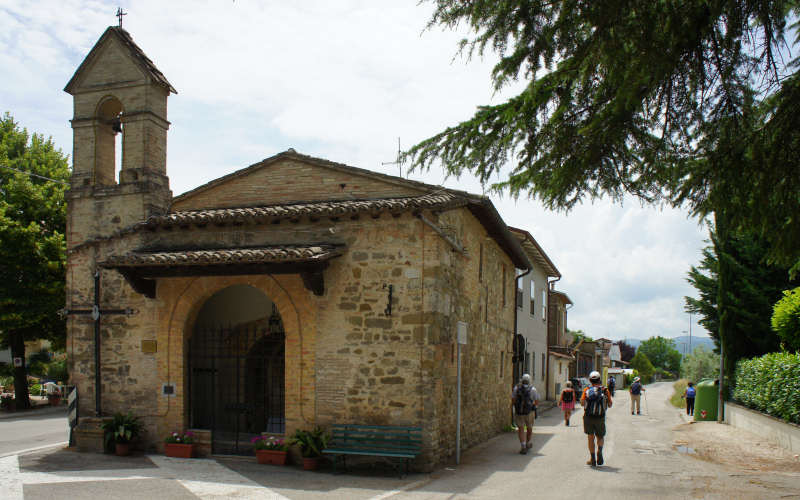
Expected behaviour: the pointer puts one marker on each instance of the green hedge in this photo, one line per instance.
(770, 384)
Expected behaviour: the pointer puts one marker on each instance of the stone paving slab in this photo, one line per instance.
(71, 460)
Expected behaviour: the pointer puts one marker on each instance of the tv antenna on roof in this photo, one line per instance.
(119, 15)
(397, 161)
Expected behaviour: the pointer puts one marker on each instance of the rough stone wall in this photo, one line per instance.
(299, 181)
(457, 289)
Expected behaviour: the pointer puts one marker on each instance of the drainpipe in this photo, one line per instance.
(516, 375)
(550, 286)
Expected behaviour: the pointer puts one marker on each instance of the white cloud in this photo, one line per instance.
(341, 80)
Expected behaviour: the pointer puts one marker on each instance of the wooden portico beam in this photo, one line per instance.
(142, 278)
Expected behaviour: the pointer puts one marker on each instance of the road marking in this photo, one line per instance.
(30, 450)
(10, 483)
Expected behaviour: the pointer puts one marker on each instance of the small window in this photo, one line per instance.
(480, 264)
(504, 285)
(531, 364)
(519, 293)
(502, 358)
(544, 305)
(542, 365)
(533, 299)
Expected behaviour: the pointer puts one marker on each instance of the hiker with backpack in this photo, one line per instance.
(636, 395)
(612, 384)
(567, 402)
(595, 401)
(524, 399)
(690, 394)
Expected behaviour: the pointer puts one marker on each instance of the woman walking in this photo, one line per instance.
(567, 402)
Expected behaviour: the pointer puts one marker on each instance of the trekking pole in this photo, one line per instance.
(646, 406)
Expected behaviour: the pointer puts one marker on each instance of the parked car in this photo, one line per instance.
(579, 384)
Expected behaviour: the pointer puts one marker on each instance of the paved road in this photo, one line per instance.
(640, 463)
(33, 429)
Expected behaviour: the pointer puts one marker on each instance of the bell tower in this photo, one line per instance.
(119, 139)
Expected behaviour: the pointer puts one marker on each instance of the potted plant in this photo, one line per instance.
(7, 401)
(120, 431)
(179, 445)
(311, 444)
(270, 450)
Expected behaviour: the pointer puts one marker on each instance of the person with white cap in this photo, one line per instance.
(595, 400)
(636, 390)
(524, 399)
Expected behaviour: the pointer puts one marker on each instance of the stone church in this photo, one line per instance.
(292, 293)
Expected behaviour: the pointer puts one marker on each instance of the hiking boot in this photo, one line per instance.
(631, 413)
(592, 462)
(566, 422)
(529, 445)
(523, 451)
(599, 457)
(638, 413)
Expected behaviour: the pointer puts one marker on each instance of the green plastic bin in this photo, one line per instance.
(705, 403)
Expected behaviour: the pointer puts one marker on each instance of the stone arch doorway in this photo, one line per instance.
(236, 369)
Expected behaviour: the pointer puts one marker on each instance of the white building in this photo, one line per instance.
(531, 318)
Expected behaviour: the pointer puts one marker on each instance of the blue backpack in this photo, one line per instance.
(636, 388)
(690, 392)
(596, 401)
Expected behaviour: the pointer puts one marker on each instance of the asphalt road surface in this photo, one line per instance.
(643, 461)
(28, 430)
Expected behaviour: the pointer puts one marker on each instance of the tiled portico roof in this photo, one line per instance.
(335, 208)
(232, 256)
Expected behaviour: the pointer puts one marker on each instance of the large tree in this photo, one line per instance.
(662, 353)
(752, 290)
(688, 103)
(32, 247)
(627, 351)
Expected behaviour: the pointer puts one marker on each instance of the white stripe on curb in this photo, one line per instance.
(31, 450)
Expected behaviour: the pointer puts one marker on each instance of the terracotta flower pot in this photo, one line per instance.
(122, 449)
(310, 463)
(179, 450)
(272, 457)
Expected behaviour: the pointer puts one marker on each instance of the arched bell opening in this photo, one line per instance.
(109, 140)
(236, 369)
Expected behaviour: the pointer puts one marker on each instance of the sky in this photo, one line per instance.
(342, 81)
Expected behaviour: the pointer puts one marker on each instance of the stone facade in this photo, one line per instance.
(350, 356)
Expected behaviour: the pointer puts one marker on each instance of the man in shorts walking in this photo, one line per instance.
(595, 401)
(524, 398)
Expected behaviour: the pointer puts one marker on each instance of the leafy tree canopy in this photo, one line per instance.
(641, 364)
(676, 102)
(626, 351)
(662, 353)
(786, 319)
(32, 246)
(701, 363)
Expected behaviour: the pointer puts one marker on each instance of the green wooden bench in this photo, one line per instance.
(384, 441)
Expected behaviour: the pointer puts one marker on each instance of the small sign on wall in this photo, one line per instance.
(149, 346)
(462, 332)
(17, 362)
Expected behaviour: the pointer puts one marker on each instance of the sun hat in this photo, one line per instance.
(636, 379)
(526, 379)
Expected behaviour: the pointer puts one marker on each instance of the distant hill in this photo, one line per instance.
(681, 343)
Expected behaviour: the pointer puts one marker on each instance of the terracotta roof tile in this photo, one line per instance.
(337, 208)
(262, 255)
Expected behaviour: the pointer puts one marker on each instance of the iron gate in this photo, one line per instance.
(236, 383)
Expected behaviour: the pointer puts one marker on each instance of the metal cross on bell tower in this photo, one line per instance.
(119, 15)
